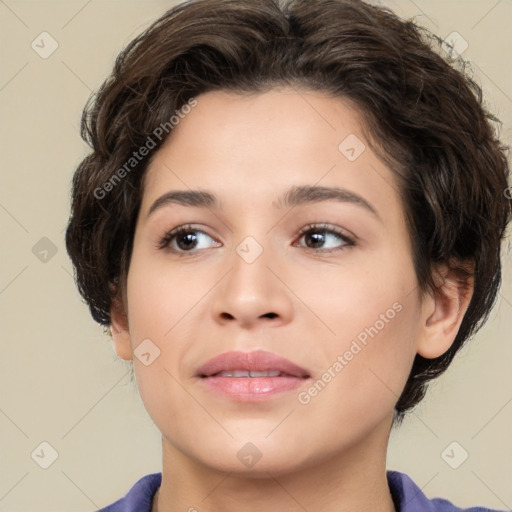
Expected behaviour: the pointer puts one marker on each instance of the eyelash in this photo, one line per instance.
(324, 228)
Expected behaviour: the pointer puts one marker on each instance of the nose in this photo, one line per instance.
(253, 293)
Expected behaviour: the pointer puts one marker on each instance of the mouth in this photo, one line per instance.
(257, 364)
(251, 376)
(245, 373)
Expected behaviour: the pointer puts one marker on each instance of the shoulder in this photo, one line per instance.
(410, 498)
(139, 497)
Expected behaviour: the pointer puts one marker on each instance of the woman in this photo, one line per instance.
(291, 221)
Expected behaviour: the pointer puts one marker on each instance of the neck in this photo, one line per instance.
(353, 480)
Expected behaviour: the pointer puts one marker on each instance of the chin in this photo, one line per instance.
(254, 459)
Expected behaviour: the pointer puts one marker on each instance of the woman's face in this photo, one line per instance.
(304, 254)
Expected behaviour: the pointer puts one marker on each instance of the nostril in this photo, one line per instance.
(231, 317)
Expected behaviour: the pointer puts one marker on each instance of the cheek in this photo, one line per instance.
(367, 368)
(368, 289)
(161, 296)
(373, 310)
(163, 307)
(158, 307)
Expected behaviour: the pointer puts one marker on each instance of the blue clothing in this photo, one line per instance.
(407, 496)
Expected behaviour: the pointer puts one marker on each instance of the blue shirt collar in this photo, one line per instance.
(408, 497)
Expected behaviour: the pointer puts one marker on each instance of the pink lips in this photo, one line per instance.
(226, 374)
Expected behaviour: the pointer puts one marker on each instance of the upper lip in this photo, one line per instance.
(259, 361)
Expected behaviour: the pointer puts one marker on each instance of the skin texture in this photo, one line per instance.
(328, 454)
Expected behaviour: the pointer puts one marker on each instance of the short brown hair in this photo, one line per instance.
(423, 115)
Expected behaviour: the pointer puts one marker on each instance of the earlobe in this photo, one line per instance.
(443, 312)
(120, 331)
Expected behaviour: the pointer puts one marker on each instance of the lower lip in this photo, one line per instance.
(251, 389)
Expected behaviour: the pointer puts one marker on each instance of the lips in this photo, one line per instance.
(257, 364)
(251, 376)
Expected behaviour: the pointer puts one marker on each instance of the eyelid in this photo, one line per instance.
(322, 226)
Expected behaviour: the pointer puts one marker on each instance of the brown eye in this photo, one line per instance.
(324, 237)
(185, 239)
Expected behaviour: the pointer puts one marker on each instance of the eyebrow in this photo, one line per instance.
(295, 196)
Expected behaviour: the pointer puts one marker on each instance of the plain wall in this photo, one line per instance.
(60, 379)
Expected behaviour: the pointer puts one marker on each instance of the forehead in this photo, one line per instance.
(251, 147)
(299, 117)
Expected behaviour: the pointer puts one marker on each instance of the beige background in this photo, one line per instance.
(60, 379)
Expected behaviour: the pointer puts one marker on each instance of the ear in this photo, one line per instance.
(120, 330)
(443, 311)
